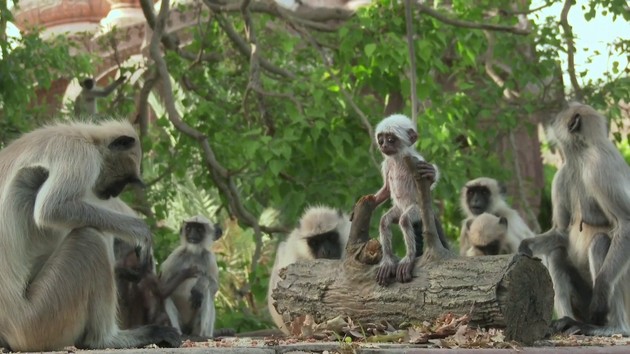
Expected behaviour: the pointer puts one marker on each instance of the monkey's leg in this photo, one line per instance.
(404, 272)
(72, 301)
(207, 315)
(387, 268)
(172, 313)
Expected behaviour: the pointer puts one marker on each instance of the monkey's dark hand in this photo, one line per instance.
(121, 78)
(386, 272)
(196, 298)
(165, 336)
(523, 249)
(567, 325)
(404, 272)
(191, 272)
(598, 310)
(427, 171)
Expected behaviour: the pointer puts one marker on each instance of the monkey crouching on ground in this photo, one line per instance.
(190, 307)
(588, 245)
(396, 136)
(485, 195)
(57, 188)
(322, 232)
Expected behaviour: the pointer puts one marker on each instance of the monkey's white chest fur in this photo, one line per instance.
(400, 181)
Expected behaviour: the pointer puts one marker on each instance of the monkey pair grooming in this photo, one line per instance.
(588, 245)
(491, 227)
(396, 136)
(322, 232)
(58, 202)
(190, 307)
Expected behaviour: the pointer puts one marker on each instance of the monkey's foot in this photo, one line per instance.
(567, 325)
(404, 272)
(386, 273)
(196, 298)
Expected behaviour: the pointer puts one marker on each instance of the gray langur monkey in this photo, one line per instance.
(396, 137)
(486, 236)
(485, 195)
(588, 245)
(191, 306)
(58, 201)
(85, 104)
(322, 232)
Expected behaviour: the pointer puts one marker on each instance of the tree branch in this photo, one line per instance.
(467, 24)
(568, 37)
(412, 61)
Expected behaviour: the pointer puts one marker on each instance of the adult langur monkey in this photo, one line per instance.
(57, 188)
(190, 307)
(589, 241)
(485, 195)
(322, 233)
(85, 104)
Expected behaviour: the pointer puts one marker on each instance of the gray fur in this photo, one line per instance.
(85, 103)
(56, 243)
(591, 225)
(179, 305)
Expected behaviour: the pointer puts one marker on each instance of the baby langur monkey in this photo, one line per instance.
(486, 236)
(322, 233)
(396, 136)
(485, 195)
(191, 306)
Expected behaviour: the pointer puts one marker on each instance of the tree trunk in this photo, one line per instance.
(512, 292)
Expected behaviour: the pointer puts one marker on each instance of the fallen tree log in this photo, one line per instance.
(513, 292)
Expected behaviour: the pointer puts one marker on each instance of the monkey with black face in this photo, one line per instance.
(589, 241)
(58, 199)
(191, 306)
(85, 104)
(396, 136)
(485, 195)
(322, 233)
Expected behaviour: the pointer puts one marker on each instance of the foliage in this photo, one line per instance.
(303, 140)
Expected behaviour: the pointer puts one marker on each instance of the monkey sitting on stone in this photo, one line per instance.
(59, 188)
(396, 137)
(322, 233)
(485, 195)
(190, 307)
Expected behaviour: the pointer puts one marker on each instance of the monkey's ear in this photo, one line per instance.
(468, 223)
(575, 123)
(218, 232)
(413, 136)
(122, 143)
(503, 221)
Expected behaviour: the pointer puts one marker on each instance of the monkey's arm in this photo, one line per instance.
(382, 194)
(105, 91)
(464, 244)
(60, 202)
(167, 287)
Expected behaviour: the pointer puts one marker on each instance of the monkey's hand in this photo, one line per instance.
(196, 298)
(427, 171)
(386, 271)
(524, 249)
(598, 310)
(404, 272)
(121, 79)
(191, 272)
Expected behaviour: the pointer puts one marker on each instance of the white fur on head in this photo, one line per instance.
(486, 228)
(397, 124)
(208, 226)
(316, 220)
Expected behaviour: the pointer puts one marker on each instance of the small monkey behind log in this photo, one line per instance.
(191, 306)
(588, 245)
(485, 195)
(59, 188)
(322, 233)
(486, 236)
(396, 136)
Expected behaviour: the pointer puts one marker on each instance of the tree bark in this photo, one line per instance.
(513, 292)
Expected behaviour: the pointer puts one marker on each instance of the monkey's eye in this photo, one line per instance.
(380, 141)
(391, 140)
(574, 123)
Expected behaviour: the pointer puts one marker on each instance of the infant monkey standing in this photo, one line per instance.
(396, 136)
